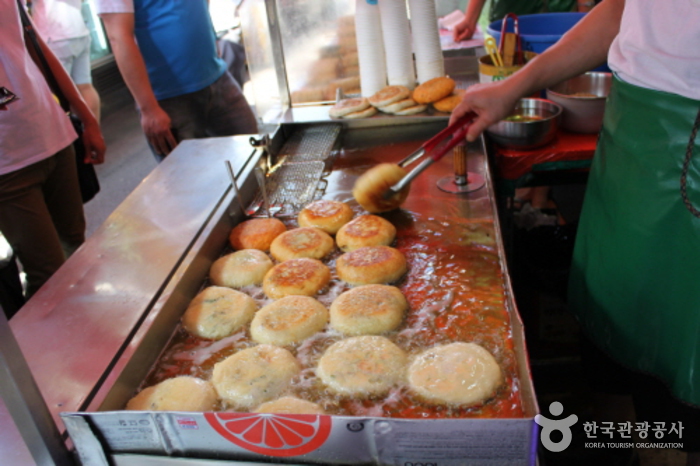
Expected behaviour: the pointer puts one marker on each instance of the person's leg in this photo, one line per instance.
(27, 224)
(187, 117)
(64, 202)
(228, 112)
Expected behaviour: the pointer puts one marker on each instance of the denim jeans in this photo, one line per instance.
(217, 110)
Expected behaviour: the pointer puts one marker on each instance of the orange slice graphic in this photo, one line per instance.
(272, 434)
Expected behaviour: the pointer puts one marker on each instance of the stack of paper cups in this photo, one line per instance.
(397, 43)
(426, 40)
(370, 48)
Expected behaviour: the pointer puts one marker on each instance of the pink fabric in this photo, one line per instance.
(659, 46)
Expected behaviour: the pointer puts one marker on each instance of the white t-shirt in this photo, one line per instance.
(34, 127)
(658, 46)
(59, 19)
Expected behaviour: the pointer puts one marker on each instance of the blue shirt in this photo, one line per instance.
(178, 44)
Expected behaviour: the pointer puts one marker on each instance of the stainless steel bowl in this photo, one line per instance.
(533, 123)
(583, 100)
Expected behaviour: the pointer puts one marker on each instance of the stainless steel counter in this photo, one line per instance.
(91, 335)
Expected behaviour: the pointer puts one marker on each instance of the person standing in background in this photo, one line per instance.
(60, 23)
(166, 51)
(484, 12)
(41, 210)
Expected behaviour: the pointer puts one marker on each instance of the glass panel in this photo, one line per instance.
(99, 47)
(320, 50)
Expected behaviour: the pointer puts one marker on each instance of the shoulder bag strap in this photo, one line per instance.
(38, 56)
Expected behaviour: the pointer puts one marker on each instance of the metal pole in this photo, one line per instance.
(26, 405)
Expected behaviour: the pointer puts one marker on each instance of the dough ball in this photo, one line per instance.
(389, 95)
(288, 320)
(368, 310)
(289, 405)
(371, 188)
(326, 215)
(365, 230)
(433, 90)
(450, 102)
(304, 277)
(256, 233)
(302, 242)
(346, 106)
(183, 393)
(362, 366)
(370, 265)
(254, 375)
(241, 268)
(457, 374)
(217, 312)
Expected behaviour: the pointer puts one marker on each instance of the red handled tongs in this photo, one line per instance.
(436, 147)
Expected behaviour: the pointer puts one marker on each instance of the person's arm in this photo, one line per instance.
(465, 29)
(582, 48)
(95, 147)
(154, 120)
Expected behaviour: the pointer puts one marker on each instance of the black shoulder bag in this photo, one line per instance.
(87, 177)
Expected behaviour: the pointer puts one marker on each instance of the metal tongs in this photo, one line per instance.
(436, 147)
(511, 48)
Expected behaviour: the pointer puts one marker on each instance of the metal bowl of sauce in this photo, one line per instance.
(532, 123)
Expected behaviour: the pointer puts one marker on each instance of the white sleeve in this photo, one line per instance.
(114, 6)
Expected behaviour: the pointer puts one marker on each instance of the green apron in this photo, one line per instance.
(635, 277)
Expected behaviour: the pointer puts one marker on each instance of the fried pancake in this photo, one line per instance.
(302, 242)
(241, 268)
(288, 320)
(368, 310)
(456, 374)
(256, 233)
(304, 277)
(327, 215)
(371, 265)
(254, 375)
(365, 230)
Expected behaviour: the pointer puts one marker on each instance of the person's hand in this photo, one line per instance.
(463, 30)
(491, 102)
(156, 126)
(95, 146)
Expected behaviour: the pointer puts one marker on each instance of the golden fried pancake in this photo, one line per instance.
(217, 312)
(366, 113)
(254, 375)
(347, 106)
(368, 310)
(412, 110)
(289, 405)
(389, 95)
(400, 105)
(450, 102)
(370, 265)
(183, 393)
(256, 233)
(434, 90)
(288, 320)
(304, 277)
(327, 215)
(365, 230)
(241, 268)
(302, 242)
(362, 366)
(371, 188)
(456, 374)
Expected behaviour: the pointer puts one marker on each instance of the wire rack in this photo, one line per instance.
(299, 176)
